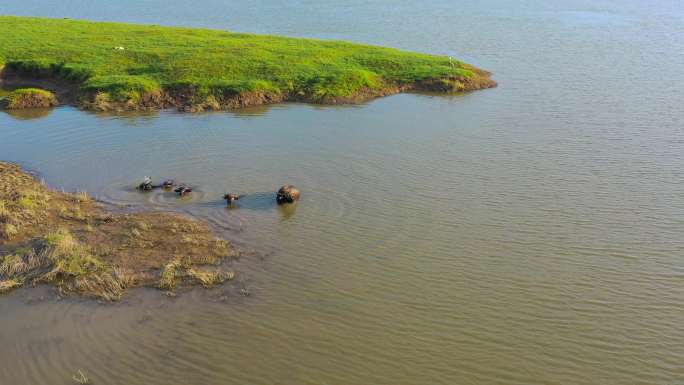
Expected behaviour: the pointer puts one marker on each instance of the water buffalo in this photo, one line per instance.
(288, 194)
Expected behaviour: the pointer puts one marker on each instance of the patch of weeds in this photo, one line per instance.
(103, 285)
(74, 213)
(27, 202)
(61, 241)
(210, 278)
(69, 256)
(10, 284)
(8, 230)
(12, 265)
(127, 278)
(5, 213)
(23, 264)
(208, 260)
(169, 275)
(82, 196)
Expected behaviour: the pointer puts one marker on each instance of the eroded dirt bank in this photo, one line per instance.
(189, 99)
(72, 242)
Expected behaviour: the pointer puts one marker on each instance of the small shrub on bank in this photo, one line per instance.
(29, 98)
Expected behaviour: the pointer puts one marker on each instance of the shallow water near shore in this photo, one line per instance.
(526, 234)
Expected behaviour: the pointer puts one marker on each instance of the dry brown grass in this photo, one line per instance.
(81, 196)
(8, 231)
(177, 272)
(210, 278)
(80, 378)
(9, 285)
(4, 212)
(168, 278)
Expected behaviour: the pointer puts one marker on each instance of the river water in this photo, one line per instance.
(528, 234)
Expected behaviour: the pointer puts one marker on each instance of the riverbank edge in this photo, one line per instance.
(73, 243)
(189, 99)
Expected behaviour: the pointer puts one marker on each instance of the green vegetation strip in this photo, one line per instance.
(125, 62)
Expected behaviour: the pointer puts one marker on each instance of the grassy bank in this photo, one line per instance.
(115, 65)
(71, 242)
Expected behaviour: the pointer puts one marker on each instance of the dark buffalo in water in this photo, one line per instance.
(146, 184)
(230, 198)
(183, 190)
(288, 194)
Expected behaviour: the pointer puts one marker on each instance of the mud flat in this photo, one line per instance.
(74, 243)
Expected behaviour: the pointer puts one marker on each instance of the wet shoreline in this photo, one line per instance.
(71, 242)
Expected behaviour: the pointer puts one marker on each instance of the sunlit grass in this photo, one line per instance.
(122, 62)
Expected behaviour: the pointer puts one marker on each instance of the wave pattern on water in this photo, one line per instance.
(527, 234)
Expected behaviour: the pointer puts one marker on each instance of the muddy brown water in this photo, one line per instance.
(529, 234)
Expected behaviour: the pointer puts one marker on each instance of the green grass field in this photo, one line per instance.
(125, 61)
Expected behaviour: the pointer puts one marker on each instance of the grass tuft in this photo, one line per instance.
(210, 278)
(10, 284)
(82, 196)
(80, 378)
(70, 258)
(169, 275)
(5, 213)
(8, 230)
